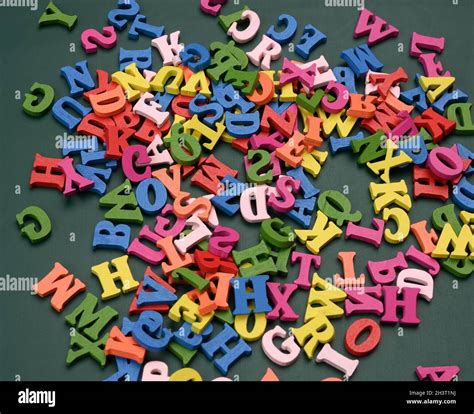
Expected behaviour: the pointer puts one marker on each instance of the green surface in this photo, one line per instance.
(34, 339)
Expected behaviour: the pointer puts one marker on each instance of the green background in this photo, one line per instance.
(34, 339)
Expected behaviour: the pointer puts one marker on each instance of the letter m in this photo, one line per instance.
(61, 284)
(210, 174)
(460, 243)
(360, 59)
(92, 321)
